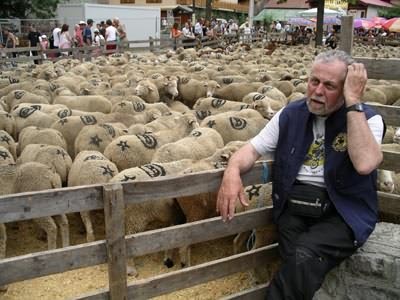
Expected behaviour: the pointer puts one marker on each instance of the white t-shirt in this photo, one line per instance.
(56, 36)
(111, 34)
(187, 33)
(312, 170)
(278, 26)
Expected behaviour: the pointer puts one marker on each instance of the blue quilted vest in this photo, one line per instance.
(353, 195)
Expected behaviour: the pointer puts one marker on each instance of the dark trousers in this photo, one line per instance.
(309, 248)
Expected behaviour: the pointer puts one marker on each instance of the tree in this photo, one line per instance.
(22, 9)
(208, 9)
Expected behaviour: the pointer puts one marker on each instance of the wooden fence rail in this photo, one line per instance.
(151, 44)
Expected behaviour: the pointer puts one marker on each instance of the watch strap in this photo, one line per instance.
(355, 107)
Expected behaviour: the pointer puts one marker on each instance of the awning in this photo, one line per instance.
(276, 14)
(310, 13)
(183, 8)
(376, 3)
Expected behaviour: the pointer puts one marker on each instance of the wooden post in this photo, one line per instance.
(151, 44)
(114, 213)
(346, 34)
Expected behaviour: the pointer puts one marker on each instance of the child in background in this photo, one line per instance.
(44, 44)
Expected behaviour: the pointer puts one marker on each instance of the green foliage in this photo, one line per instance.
(22, 9)
(389, 13)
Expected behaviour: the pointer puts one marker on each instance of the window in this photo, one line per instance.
(127, 1)
(153, 1)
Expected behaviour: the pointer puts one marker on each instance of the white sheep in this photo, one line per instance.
(34, 176)
(192, 89)
(201, 143)
(267, 107)
(7, 123)
(90, 167)
(30, 116)
(237, 91)
(8, 176)
(21, 96)
(37, 135)
(8, 142)
(52, 156)
(93, 103)
(71, 126)
(216, 106)
(96, 137)
(148, 91)
(236, 126)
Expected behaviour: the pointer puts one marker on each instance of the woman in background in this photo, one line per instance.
(175, 34)
(65, 39)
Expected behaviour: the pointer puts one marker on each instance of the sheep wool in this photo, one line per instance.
(96, 137)
(236, 126)
(38, 135)
(8, 143)
(201, 143)
(52, 156)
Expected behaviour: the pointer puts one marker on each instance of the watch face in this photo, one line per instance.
(359, 107)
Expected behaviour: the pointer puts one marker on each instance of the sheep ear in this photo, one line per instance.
(150, 88)
(218, 86)
(205, 84)
(165, 83)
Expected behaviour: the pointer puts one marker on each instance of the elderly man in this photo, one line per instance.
(327, 149)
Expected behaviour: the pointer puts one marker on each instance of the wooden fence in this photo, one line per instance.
(151, 44)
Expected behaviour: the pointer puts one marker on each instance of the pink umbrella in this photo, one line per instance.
(378, 21)
(392, 25)
(364, 23)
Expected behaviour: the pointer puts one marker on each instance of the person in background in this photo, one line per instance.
(218, 30)
(87, 33)
(111, 37)
(247, 33)
(98, 41)
(44, 44)
(326, 150)
(65, 39)
(78, 39)
(175, 34)
(102, 28)
(123, 39)
(55, 36)
(188, 36)
(198, 30)
(278, 26)
(10, 42)
(33, 38)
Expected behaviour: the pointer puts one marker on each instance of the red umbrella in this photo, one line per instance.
(392, 25)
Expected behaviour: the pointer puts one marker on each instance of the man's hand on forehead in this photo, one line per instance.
(355, 83)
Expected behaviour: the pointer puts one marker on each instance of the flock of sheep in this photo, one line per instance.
(140, 116)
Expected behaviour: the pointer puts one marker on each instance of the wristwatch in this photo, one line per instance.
(355, 107)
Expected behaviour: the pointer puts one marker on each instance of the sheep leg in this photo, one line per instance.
(87, 222)
(185, 256)
(63, 224)
(131, 269)
(3, 240)
(239, 241)
(168, 262)
(48, 225)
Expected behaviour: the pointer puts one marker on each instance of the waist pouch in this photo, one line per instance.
(309, 201)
